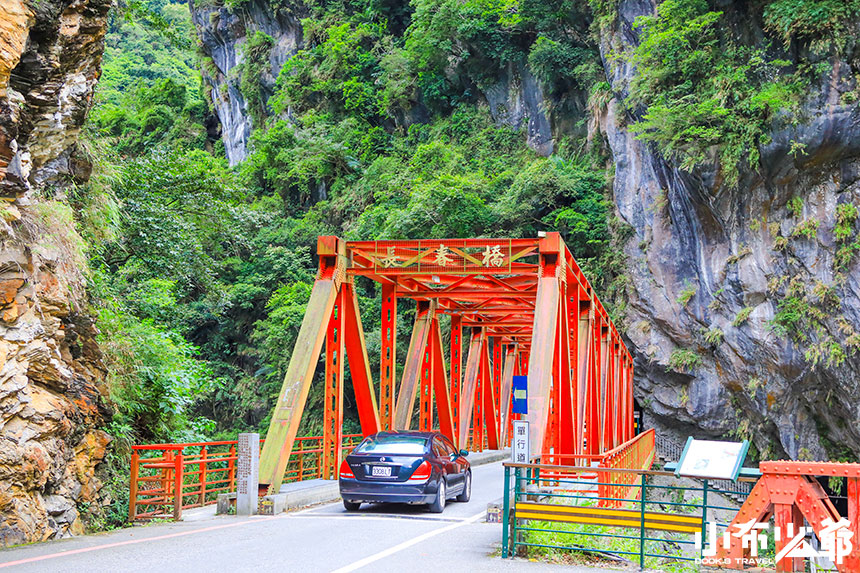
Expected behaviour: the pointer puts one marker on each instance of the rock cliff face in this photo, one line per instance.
(223, 34)
(50, 373)
(735, 253)
(743, 253)
(516, 99)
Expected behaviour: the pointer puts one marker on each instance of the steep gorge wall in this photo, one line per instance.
(516, 99)
(738, 248)
(50, 370)
(223, 34)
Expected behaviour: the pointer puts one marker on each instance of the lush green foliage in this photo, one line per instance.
(150, 88)
(255, 63)
(683, 360)
(701, 94)
(202, 281)
(824, 24)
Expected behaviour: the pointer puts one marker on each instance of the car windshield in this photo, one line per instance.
(393, 445)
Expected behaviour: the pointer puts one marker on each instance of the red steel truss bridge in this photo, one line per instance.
(513, 306)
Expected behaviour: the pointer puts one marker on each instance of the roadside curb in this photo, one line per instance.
(311, 492)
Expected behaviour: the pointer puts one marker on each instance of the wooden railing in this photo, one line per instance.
(167, 478)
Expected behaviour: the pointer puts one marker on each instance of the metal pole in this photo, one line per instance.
(132, 488)
(506, 510)
(704, 515)
(642, 525)
(177, 487)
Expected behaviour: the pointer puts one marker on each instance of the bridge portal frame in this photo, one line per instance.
(525, 303)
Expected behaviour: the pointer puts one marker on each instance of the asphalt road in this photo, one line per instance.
(322, 538)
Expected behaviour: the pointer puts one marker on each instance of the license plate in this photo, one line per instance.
(380, 471)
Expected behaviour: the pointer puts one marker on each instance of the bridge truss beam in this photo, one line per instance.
(522, 306)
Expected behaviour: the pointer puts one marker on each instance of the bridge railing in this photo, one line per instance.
(635, 454)
(655, 527)
(167, 478)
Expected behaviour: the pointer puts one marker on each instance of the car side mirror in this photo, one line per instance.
(464, 453)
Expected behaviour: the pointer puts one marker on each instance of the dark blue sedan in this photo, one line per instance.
(405, 467)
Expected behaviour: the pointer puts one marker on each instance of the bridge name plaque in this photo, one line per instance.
(247, 474)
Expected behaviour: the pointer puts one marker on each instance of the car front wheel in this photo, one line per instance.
(467, 489)
(438, 506)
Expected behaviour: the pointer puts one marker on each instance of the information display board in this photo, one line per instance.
(711, 459)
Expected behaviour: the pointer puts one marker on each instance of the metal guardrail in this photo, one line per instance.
(167, 478)
(575, 514)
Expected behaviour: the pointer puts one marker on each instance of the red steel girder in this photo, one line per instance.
(333, 400)
(388, 355)
(456, 354)
(527, 294)
(424, 314)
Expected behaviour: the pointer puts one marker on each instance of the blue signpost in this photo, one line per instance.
(521, 395)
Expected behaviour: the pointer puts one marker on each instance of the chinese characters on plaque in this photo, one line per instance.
(445, 256)
(247, 474)
(520, 446)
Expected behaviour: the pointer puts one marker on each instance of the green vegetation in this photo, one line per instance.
(201, 272)
(686, 294)
(753, 386)
(701, 91)
(807, 228)
(149, 92)
(795, 207)
(742, 252)
(824, 25)
(255, 63)
(713, 336)
(846, 215)
(742, 316)
(683, 360)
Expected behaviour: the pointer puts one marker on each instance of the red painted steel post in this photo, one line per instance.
(543, 341)
(178, 476)
(425, 403)
(231, 469)
(593, 412)
(469, 391)
(167, 474)
(444, 413)
(456, 366)
(853, 492)
(387, 370)
(333, 401)
(202, 466)
(490, 409)
(478, 412)
(359, 364)
(410, 383)
(565, 439)
(498, 352)
(132, 488)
